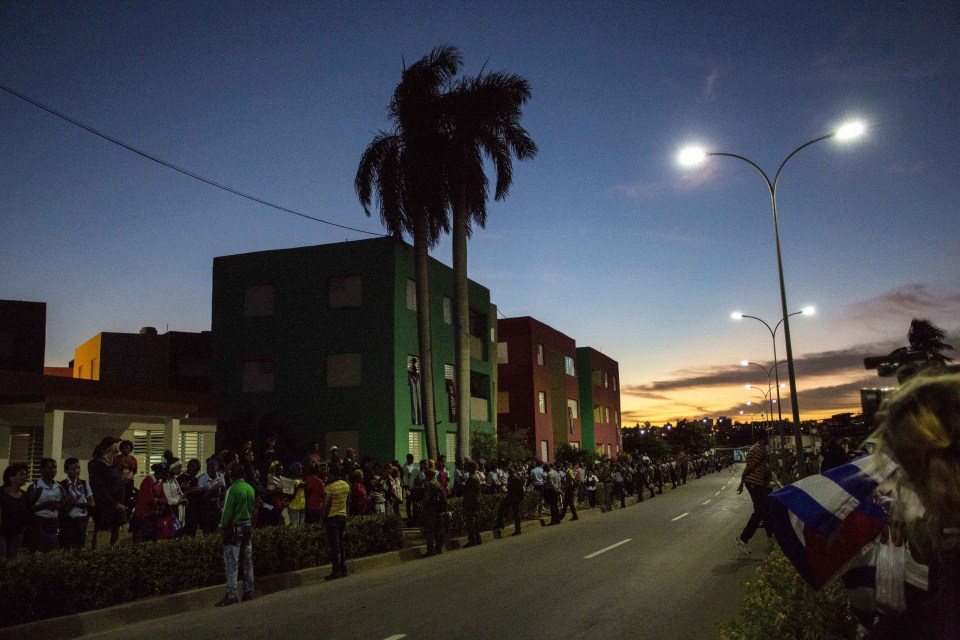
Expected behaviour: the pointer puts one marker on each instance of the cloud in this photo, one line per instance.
(825, 363)
(654, 190)
(710, 83)
(908, 301)
(837, 398)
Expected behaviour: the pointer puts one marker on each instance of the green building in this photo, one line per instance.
(316, 344)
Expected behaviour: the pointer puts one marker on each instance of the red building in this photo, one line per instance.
(539, 391)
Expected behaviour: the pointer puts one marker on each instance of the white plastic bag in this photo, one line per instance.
(890, 576)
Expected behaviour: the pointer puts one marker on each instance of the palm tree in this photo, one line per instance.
(928, 337)
(404, 170)
(482, 121)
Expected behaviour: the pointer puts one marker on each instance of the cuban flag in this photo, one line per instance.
(823, 521)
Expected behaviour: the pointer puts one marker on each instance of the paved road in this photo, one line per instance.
(665, 568)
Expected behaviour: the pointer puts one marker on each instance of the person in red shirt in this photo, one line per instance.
(313, 493)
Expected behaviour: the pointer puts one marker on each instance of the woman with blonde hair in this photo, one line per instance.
(920, 430)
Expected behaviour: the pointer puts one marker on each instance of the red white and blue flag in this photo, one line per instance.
(823, 521)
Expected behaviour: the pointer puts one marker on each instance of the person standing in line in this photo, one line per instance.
(756, 477)
(79, 502)
(569, 495)
(334, 517)
(551, 493)
(212, 485)
(471, 505)
(238, 535)
(109, 491)
(314, 488)
(592, 481)
(434, 506)
(45, 497)
(14, 514)
(408, 478)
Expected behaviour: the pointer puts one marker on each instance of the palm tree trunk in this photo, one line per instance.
(424, 342)
(461, 325)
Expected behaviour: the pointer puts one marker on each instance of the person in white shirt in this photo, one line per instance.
(45, 497)
(79, 496)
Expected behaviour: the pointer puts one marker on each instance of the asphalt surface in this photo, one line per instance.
(665, 568)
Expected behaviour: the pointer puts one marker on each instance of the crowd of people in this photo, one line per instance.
(181, 500)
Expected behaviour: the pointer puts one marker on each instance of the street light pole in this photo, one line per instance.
(695, 156)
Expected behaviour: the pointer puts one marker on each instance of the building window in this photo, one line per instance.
(343, 370)
(258, 376)
(540, 354)
(448, 372)
(412, 295)
(479, 397)
(503, 356)
(258, 300)
(147, 449)
(595, 377)
(606, 380)
(478, 335)
(95, 369)
(574, 408)
(544, 450)
(542, 401)
(569, 366)
(606, 414)
(447, 310)
(616, 417)
(26, 445)
(596, 413)
(614, 382)
(415, 444)
(80, 371)
(191, 445)
(574, 444)
(344, 292)
(451, 446)
(503, 402)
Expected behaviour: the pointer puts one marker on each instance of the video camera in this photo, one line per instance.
(889, 364)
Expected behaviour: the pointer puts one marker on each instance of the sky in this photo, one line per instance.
(603, 236)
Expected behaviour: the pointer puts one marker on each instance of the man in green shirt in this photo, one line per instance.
(237, 535)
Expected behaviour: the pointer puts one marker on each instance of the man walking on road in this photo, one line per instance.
(237, 535)
(756, 476)
(334, 519)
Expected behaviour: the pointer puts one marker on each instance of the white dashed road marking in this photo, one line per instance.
(708, 501)
(396, 637)
(682, 515)
(613, 546)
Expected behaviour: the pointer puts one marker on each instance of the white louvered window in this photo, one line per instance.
(447, 310)
(542, 401)
(147, 449)
(451, 446)
(26, 445)
(415, 444)
(345, 292)
(258, 376)
(448, 372)
(540, 354)
(412, 295)
(503, 353)
(574, 408)
(544, 450)
(191, 446)
(568, 366)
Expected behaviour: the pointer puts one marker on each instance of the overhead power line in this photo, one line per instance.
(170, 165)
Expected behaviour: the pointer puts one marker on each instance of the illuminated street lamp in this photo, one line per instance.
(697, 155)
(806, 311)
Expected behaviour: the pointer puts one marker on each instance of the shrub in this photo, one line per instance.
(778, 604)
(38, 586)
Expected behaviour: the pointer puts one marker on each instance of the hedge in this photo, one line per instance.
(779, 605)
(38, 586)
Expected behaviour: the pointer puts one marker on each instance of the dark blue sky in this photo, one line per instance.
(602, 236)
